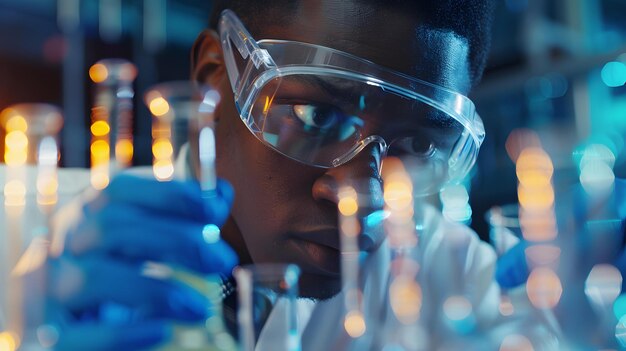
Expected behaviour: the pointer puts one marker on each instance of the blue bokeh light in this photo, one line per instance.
(614, 74)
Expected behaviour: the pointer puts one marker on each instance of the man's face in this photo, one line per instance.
(285, 211)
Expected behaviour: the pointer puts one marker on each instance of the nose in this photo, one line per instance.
(370, 141)
(362, 174)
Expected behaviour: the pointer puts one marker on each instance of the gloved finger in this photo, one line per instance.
(512, 267)
(98, 337)
(174, 198)
(78, 285)
(135, 234)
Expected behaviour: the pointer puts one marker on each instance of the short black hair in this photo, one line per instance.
(469, 19)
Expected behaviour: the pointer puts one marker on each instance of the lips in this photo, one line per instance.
(317, 251)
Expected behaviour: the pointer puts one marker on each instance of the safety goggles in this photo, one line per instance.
(321, 107)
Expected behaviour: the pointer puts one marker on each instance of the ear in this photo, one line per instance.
(207, 60)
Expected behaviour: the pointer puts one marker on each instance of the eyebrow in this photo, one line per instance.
(337, 88)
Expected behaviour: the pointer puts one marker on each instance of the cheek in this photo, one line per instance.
(267, 186)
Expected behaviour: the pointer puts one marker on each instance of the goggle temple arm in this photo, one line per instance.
(233, 32)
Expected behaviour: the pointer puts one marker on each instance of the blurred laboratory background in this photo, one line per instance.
(557, 67)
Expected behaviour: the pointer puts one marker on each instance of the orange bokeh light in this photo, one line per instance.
(544, 288)
(354, 323)
(124, 151)
(98, 73)
(100, 128)
(16, 123)
(159, 106)
(405, 299)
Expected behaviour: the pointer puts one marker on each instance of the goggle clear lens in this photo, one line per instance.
(321, 107)
(321, 119)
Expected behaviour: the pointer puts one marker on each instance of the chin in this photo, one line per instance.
(319, 287)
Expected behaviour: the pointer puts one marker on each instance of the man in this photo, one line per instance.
(284, 204)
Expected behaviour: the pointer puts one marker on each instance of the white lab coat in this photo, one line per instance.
(445, 249)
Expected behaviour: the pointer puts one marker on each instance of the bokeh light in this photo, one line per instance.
(16, 147)
(597, 178)
(455, 201)
(398, 187)
(534, 167)
(614, 74)
(14, 193)
(159, 106)
(506, 307)
(457, 308)
(542, 255)
(459, 315)
(603, 285)
(461, 214)
(47, 186)
(16, 123)
(211, 233)
(162, 148)
(596, 169)
(398, 194)
(538, 225)
(100, 176)
(163, 170)
(15, 158)
(9, 341)
(16, 140)
(544, 288)
(405, 299)
(597, 152)
(536, 198)
(348, 205)
(619, 307)
(47, 335)
(124, 151)
(454, 196)
(521, 139)
(98, 73)
(100, 150)
(100, 128)
(354, 324)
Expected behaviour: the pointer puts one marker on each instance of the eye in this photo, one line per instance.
(318, 116)
(419, 146)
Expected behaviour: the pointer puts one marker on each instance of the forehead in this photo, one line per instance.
(388, 36)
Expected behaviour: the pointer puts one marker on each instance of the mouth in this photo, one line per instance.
(317, 251)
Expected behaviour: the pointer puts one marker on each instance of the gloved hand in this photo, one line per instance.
(608, 215)
(101, 297)
(511, 268)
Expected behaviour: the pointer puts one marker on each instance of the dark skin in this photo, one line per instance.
(285, 211)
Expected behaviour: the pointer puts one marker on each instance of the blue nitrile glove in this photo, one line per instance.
(512, 268)
(100, 296)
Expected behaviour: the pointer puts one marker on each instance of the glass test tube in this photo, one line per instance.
(405, 293)
(183, 119)
(111, 118)
(349, 230)
(31, 132)
(267, 293)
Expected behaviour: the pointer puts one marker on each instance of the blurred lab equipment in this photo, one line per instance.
(30, 195)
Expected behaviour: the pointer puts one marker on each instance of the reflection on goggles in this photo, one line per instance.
(321, 107)
(311, 119)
